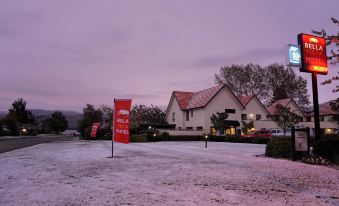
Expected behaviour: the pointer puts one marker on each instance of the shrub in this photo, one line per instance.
(328, 147)
(279, 147)
(185, 138)
(138, 138)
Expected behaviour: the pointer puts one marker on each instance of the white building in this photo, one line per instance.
(326, 114)
(191, 112)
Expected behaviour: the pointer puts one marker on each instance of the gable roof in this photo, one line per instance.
(325, 109)
(245, 99)
(183, 98)
(193, 100)
(283, 102)
(272, 108)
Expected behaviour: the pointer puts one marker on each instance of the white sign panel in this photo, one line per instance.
(301, 141)
(294, 55)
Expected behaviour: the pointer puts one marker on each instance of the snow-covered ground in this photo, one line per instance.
(166, 173)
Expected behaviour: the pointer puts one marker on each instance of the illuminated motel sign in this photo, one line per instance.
(313, 54)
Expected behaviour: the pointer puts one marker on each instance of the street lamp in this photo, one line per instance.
(154, 135)
(206, 137)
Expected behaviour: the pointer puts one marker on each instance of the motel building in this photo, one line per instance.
(190, 112)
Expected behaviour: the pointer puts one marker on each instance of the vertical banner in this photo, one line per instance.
(121, 122)
(95, 128)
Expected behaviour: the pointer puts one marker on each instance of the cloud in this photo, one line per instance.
(255, 56)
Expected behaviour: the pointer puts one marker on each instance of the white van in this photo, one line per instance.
(277, 132)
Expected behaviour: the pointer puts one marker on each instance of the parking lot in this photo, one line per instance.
(166, 173)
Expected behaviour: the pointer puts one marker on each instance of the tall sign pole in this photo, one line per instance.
(313, 60)
(315, 106)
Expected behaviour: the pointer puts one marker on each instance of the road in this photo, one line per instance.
(12, 143)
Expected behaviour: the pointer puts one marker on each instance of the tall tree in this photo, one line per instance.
(91, 115)
(20, 113)
(285, 118)
(142, 114)
(12, 124)
(268, 84)
(283, 83)
(244, 79)
(218, 121)
(107, 119)
(56, 123)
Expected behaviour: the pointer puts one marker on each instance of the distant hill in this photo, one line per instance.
(71, 116)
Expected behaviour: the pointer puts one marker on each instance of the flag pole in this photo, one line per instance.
(113, 127)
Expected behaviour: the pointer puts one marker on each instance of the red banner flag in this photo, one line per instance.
(95, 128)
(121, 123)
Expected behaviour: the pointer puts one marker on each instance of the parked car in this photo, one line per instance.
(258, 133)
(280, 132)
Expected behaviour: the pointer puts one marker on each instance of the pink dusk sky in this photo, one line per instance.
(66, 53)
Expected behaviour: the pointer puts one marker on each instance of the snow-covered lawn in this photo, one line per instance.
(166, 173)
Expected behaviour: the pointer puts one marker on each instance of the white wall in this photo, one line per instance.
(198, 119)
(223, 100)
(179, 117)
(295, 109)
(255, 107)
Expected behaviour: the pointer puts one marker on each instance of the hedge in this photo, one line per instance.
(328, 147)
(149, 137)
(279, 147)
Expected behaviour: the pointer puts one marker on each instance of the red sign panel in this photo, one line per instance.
(121, 123)
(95, 128)
(313, 54)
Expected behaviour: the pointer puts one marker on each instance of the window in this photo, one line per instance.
(243, 116)
(191, 113)
(213, 130)
(230, 111)
(258, 117)
(308, 119)
(173, 117)
(179, 128)
(189, 128)
(230, 131)
(321, 118)
(200, 128)
(187, 115)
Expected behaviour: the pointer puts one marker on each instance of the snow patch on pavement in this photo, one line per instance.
(165, 173)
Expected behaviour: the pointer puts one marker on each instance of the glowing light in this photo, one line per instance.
(313, 40)
(320, 69)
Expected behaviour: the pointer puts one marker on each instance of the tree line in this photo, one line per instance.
(140, 115)
(20, 117)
